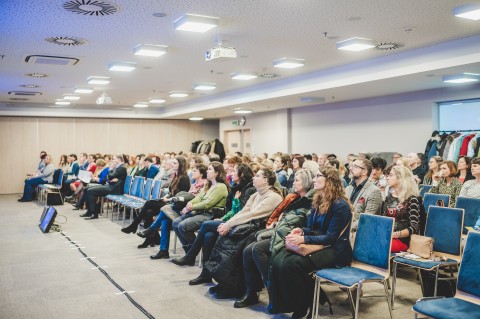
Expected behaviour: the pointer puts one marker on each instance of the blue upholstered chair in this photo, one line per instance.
(135, 204)
(445, 226)
(432, 199)
(371, 261)
(471, 206)
(135, 194)
(112, 198)
(466, 303)
(424, 189)
(43, 189)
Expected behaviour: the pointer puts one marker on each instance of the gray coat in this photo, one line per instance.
(369, 201)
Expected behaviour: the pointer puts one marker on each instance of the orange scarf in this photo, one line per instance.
(281, 207)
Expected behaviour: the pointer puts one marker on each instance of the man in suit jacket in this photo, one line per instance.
(152, 170)
(115, 183)
(365, 197)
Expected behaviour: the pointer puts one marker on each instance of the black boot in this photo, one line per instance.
(156, 239)
(147, 242)
(184, 261)
(249, 299)
(162, 254)
(130, 229)
(146, 233)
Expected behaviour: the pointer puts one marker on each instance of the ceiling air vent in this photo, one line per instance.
(90, 7)
(52, 60)
(67, 41)
(388, 46)
(30, 86)
(24, 93)
(268, 75)
(37, 75)
(18, 99)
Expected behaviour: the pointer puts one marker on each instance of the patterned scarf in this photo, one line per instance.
(281, 207)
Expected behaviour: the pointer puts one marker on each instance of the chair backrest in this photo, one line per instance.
(445, 225)
(128, 184)
(147, 189)
(424, 189)
(430, 199)
(468, 278)
(157, 185)
(59, 178)
(373, 243)
(471, 206)
(137, 186)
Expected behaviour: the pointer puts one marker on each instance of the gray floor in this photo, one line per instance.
(43, 276)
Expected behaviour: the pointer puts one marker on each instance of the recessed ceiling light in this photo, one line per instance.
(156, 101)
(71, 97)
(141, 104)
(243, 111)
(195, 23)
(150, 50)
(82, 90)
(61, 102)
(288, 63)
(461, 78)
(205, 86)
(98, 80)
(312, 99)
(196, 118)
(178, 94)
(243, 76)
(356, 44)
(122, 66)
(467, 11)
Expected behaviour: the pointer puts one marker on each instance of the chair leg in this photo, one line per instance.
(436, 282)
(421, 280)
(357, 303)
(352, 302)
(388, 299)
(175, 243)
(394, 284)
(200, 259)
(315, 298)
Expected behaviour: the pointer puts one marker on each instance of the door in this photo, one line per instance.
(233, 141)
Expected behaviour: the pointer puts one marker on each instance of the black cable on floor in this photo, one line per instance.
(136, 304)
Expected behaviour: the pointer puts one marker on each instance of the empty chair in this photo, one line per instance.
(433, 200)
(471, 206)
(424, 189)
(466, 302)
(445, 226)
(371, 261)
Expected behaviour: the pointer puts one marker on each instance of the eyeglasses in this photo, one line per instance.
(356, 166)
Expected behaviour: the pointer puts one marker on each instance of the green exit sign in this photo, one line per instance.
(235, 123)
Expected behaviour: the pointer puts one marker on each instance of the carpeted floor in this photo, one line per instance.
(45, 276)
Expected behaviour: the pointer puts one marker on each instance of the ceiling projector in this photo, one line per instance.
(104, 99)
(220, 53)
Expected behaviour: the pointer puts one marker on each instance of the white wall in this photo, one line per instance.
(401, 122)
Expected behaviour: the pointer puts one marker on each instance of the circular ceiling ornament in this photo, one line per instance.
(388, 46)
(268, 75)
(29, 86)
(37, 75)
(90, 7)
(68, 41)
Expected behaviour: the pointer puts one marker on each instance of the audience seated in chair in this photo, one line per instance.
(464, 165)
(292, 212)
(43, 176)
(448, 184)
(290, 283)
(180, 183)
(98, 178)
(471, 188)
(434, 174)
(402, 203)
(114, 185)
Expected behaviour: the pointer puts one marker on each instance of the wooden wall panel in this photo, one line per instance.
(20, 152)
(22, 139)
(91, 136)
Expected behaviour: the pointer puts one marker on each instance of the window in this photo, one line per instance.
(459, 115)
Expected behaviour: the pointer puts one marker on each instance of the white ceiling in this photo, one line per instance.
(435, 43)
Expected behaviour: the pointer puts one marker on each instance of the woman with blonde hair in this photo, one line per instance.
(291, 286)
(403, 204)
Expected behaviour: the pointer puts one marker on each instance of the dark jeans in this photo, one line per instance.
(255, 265)
(206, 238)
(149, 209)
(30, 185)
(186, 225)
(90, 193)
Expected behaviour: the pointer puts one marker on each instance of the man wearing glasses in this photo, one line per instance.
(363, 194)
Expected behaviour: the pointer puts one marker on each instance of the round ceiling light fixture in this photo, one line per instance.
(90, 7)
(68, 41)
(37, 75)
(388, 46)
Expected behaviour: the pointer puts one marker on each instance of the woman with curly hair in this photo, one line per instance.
(291, 286)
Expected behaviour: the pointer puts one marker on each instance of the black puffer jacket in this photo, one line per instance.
(225, 263)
